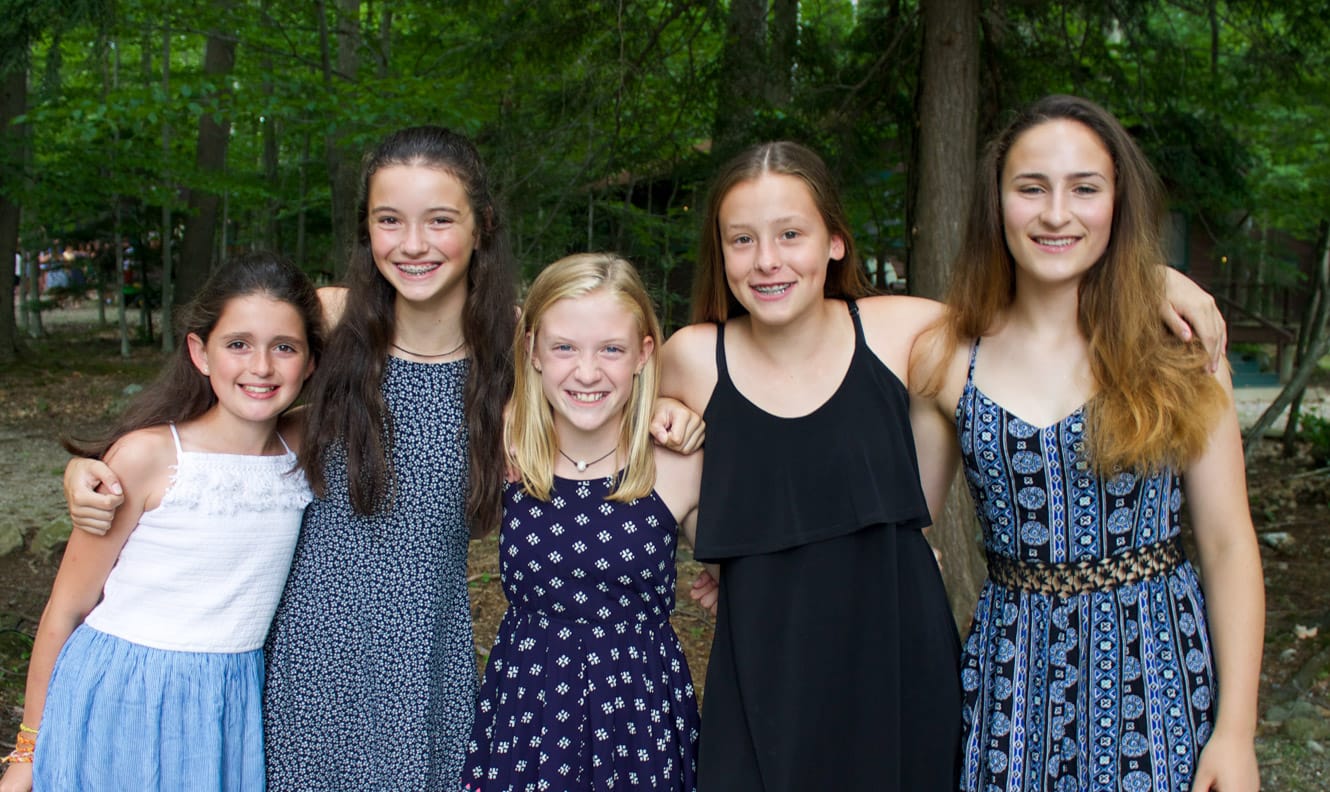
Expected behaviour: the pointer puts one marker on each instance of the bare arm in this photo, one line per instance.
(137, 460)
(1230, 561)
(679, 484)
(937, 376)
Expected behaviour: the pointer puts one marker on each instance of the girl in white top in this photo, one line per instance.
(147, 668)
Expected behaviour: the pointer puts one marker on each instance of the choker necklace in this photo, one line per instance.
(582, 466)
(400, 348)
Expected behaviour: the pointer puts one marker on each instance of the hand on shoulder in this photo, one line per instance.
(142, 460)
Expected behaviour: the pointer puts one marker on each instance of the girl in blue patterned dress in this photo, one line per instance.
(587, 687)
(147, 668)
(1094, 662)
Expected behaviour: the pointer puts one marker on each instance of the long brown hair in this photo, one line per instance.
(712, 299)
(532, 424)
(181, 392)
(346, 401)
(1156, 402)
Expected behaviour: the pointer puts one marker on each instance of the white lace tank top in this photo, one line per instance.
(202, 572)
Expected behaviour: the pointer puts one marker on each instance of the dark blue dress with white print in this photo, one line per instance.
(587, 687)
(1110, 689)
(371, 669)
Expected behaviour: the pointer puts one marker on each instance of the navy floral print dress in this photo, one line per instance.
(1112, 689)
(370, 661)
(587, 687)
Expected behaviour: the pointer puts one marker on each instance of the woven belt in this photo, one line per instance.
(1083, 577)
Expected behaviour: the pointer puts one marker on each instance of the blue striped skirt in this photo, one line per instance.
(120, 716)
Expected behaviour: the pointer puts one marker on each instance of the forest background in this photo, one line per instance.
(165, 135)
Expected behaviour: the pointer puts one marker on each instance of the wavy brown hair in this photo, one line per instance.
(1156, 402)
(346, 399)
(531, 429)
(712, 299)
(181, 392)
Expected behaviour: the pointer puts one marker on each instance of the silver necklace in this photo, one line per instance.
(582, 466)
(401, 348)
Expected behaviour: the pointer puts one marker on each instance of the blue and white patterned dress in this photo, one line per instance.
(371, 669)
(1109, 690)
(587, 687)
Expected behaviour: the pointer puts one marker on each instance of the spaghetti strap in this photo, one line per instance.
(176, 437)
(859, 342)
(722, 371)
(974, 354)
(284, 445)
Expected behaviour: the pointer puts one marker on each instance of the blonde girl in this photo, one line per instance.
(587, 687)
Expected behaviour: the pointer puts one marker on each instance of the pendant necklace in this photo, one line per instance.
(401, 348)
(582, 466)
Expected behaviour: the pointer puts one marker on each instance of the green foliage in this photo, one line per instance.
(597, 118)
(1315, 430)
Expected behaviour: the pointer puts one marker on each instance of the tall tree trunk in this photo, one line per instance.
(168, 275)
(743, 77)
(948, 105)
(341, 161)
(784, 44)
(196, 249)
(13, 103)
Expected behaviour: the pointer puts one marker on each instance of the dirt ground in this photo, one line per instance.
(74, 380)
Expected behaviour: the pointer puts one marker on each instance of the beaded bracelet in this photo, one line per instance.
(24, 746)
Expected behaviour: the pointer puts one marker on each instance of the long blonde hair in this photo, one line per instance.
(1156, 402)
(531, 424)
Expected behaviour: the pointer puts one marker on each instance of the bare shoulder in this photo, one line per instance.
(142, 458)
(333, 300)
(892, 323)
(688, 362)
(692, 340)
(898, 313)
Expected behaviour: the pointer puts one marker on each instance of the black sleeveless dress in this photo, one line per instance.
(836, 660)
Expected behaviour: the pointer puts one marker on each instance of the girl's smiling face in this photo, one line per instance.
(587, 350)
(1057, 187)
(421, 233)
(776, 247)
(256, 357)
